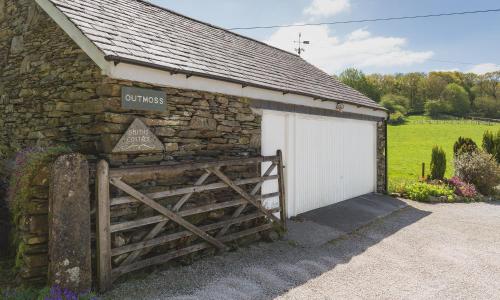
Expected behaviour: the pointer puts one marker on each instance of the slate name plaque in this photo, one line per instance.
(144, 99)
(138, 139)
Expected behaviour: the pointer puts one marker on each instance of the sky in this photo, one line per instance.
(469, 43)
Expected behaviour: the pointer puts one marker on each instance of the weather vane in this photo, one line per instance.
(300, 42)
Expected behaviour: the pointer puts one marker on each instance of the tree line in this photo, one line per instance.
(435, 93)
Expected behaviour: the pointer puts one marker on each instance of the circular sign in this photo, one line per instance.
(340, 107)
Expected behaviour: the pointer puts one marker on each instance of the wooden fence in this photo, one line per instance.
(475, 121)
(247, 205)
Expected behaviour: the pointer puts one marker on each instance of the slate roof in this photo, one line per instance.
(139, 32)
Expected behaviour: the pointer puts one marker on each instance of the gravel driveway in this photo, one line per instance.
(444, 251)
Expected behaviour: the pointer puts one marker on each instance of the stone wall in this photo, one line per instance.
(51, 94)
(381, 157)
(44, 79)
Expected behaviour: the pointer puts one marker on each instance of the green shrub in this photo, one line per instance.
(479, 168)
(464, 145)
(395, 103)
(397, 118)
(438, 163)
(435, 108)
(497, 145)
(489, 142)
(423, 192)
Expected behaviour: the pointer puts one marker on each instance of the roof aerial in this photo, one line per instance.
(142, 33)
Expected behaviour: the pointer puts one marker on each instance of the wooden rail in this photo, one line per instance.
(247, 206)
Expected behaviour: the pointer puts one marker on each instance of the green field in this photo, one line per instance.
(411, 144)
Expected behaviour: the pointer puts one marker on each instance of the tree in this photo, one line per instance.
(395, 103)
(488, 85)
(457, 98)
(435, 108)
(487, 106)
(411, 86)
(434, 86)
(358, 81)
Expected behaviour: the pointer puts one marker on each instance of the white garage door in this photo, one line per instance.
(327, 160)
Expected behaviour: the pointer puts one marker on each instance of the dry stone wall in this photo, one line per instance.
(381, 157)
(51, 94)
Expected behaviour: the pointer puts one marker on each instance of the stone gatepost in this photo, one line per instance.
(69, 224)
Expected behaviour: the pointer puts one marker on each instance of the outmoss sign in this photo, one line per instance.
(144, 99)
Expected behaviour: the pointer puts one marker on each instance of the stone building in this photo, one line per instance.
(65, 66)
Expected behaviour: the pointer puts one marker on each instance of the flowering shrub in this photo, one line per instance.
(463, 188)
(53, 293)
(422, 191)
(479, 168)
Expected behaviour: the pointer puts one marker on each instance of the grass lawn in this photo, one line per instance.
(411, 144)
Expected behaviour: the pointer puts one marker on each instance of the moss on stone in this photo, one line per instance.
(29, 162)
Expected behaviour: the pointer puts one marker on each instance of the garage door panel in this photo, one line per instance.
(273, 140)
(328, 159)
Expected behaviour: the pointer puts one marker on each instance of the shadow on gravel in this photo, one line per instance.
(265, 270)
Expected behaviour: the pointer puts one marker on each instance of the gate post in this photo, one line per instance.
(69, 224)
(281, 183)
(103, 231)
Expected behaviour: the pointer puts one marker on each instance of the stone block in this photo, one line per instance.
(109, 141)
(35, 239)
(109, 90)
(224, 128)
(192, 94)
(115, 118)
(245, 117)
(89, 107)
(69, 243)
(181, 100)
(189, 133)
(41, 177)
(203, 123)
(36, 260)
(64, 106)
(170, 147)
(37, 224)
(164, 131)
(222, 99)
(17, 45)
(27, 273)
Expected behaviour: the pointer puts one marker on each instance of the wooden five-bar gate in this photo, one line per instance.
(246, 206)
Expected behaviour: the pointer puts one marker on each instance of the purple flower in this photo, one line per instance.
(463, 188)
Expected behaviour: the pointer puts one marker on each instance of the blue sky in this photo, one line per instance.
(384, 47)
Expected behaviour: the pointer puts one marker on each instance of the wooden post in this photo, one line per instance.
(281, 183)
(423, 171)
(103, 227)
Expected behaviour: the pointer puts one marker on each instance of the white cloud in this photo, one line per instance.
(484, 68)
(327, 8)
(359, 49)
(359, 34)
